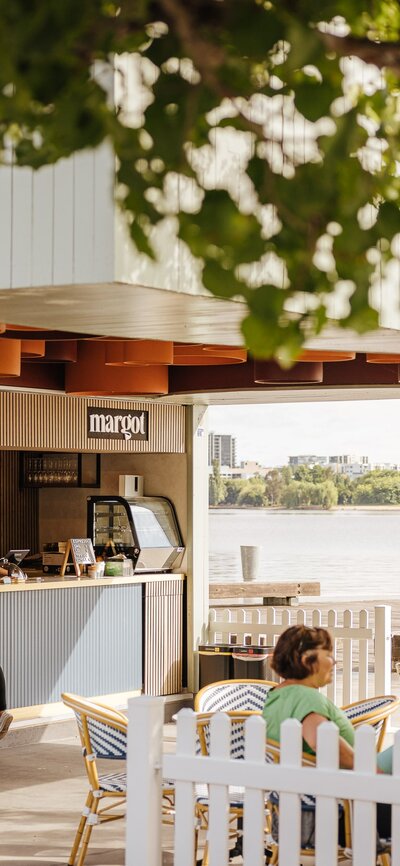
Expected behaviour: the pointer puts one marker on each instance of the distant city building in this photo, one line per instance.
(345, 459)
(342, 464)
(394, 467)
(247, 469)
(307, 460)
(221, 447)
(350, 465)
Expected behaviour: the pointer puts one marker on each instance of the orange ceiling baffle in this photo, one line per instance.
(378, 358)
(270, 373)
(90, 376)
(10, 358)
(125, 353)
(325, 357)
(207, 355)
(33, 348)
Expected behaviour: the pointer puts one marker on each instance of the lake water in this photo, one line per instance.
(352, 553)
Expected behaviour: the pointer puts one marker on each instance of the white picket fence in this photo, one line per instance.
(355, 641)
(147, 766)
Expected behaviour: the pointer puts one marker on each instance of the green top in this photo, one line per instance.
(297, 702)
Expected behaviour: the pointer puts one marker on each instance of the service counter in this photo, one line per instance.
(91, 636)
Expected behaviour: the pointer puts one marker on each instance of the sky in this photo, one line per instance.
(270, 433)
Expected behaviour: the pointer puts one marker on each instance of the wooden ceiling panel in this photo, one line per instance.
(123, 310)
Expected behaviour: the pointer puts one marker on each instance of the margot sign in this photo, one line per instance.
(117, 424)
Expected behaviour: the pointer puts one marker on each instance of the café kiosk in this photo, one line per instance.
(98, 636)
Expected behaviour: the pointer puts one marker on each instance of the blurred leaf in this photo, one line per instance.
(388, 221)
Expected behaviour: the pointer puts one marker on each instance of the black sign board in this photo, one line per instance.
(117, 424)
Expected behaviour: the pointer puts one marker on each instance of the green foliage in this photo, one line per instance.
(274, 484)
(233, 487)
(379, 487)
(312, 487)
(208, 69)
(216, 485)
(252, 493)
(307, 494)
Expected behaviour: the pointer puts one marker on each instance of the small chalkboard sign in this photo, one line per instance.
(81, 550)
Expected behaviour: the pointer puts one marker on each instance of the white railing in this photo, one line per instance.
(147, 766)
(355, 642)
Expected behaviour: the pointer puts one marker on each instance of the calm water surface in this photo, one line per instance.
(350, 552)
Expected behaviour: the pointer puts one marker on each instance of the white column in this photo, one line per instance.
(197, 552)
(144, 768)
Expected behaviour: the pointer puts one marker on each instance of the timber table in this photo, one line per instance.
(272, 593)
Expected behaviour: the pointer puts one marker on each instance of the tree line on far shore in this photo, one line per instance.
(304, 487)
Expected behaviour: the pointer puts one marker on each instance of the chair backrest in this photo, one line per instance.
(237, 732)
(103, 732)
(229, 695)
(373, 711)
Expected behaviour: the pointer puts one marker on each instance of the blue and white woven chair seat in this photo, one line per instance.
(239, 695)
(113, 782)
(308, 808)
(117, 782)
(236, 796)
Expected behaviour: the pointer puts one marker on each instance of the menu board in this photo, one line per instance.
(82, 553)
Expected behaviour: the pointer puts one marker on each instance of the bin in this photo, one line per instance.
(253, 663)
(215, 663)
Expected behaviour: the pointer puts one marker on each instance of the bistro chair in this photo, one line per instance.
(373, 711)
(233, 695)
(103, 733)
(308, 808)
(236, 794)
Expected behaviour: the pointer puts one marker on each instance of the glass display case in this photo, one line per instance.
(144, 528)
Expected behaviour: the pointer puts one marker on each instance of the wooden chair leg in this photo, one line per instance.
(88, 830)
(205, 854)
(81, 827)
(275, 855)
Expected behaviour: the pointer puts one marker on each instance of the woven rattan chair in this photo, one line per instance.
(375, 712)
(308, 806)
(233, 695)
(103, 733)
(236, 794)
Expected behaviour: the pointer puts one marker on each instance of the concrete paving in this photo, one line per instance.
(43, 787)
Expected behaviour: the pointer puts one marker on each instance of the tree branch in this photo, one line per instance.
(381, 54)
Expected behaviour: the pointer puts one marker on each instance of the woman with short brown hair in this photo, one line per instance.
(304, 659)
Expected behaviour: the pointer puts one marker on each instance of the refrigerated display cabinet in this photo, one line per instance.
(144, 528)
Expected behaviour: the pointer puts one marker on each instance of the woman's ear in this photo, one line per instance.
(309, 660)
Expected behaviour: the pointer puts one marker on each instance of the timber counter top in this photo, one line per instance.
(255, 588)
(45, 581)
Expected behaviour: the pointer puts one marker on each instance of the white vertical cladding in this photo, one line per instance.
(42, 226)
(104, 215)
(22, 220)
(83, 258)
(5, 224)
(57, 224)
(63, 223)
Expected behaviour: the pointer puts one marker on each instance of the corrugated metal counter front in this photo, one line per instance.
(83, 636)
